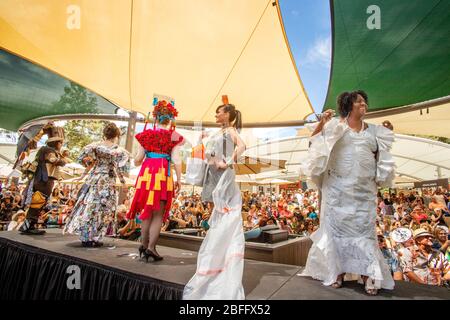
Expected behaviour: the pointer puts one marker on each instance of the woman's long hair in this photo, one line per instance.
(235, 115)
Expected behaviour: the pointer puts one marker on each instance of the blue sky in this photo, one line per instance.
(308, 28)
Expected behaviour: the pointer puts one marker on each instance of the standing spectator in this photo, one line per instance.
(434, 204)
(426, 198)
(440, 197)
(442, 242)
(419, 215)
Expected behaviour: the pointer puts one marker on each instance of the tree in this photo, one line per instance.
(75, 99)
(80, 133)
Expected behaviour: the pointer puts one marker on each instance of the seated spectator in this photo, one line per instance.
(120, 217)
(254, 233)
(6, 206)
(285, 213)
(442, 241)
(274, 211)
(436, 217)
(131, 231)
(390, 256)
(179, 218)
(204, 223)
(65, 194)
(419, 215)
(248, 224)
(430, 266)
(426, 226)
(312, 213)
(55, 196)
(170, 224)
(17, 220)
(52, 219)
(199, 211)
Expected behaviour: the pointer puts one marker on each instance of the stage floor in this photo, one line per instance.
(262, 280)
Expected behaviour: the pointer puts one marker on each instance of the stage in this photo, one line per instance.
(36, 267)
(293, 251)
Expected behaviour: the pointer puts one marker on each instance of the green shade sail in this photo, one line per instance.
(406, 61)
(28, 91)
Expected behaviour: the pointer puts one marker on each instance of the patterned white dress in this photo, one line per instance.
(98, 196)
(220, 262)
(348, 166)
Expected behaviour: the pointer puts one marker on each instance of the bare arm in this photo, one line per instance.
(139, 157)
(326, 116)
(86, 170)
(55, 160)
(176, 159)
(240, 145)
(414, 277)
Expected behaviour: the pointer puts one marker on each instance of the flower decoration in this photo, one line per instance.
(164, 108)
(159, 140)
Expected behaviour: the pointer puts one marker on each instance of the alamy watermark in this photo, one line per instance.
(74, 280)
(374, 20)
(73, 21)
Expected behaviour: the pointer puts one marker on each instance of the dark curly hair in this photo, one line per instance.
(346, 99)
(111, 131)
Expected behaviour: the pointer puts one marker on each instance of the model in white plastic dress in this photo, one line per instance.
(220, 263)
(347, 164)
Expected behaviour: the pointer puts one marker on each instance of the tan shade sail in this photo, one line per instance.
(433, 121)
(194, 51)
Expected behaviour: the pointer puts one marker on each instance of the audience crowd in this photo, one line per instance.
(412, 226)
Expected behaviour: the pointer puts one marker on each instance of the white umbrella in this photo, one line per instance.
(128, 181)
(273, 181)
(74, 165)
(8, 172)
(74, 168)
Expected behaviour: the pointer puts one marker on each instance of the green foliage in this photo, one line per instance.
(75, 99)
(435, 138)
(80, 133)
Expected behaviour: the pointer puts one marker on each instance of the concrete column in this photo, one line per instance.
(130, 131)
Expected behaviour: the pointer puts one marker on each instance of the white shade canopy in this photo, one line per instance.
(417, 159)
(433, 121)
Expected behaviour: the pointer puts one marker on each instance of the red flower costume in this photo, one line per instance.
(154, 182)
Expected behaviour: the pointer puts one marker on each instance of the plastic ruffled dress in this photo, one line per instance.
(348, 166)
(155, 180)
(220, 263)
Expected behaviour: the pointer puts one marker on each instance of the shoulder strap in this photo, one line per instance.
(224, 151)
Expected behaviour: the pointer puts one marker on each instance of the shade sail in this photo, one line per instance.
(194, 51)
(7, 153)
(416, 158)
(433, 121)
(406, 61)
(28, 91)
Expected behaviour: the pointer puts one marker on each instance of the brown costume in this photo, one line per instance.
(48, 163)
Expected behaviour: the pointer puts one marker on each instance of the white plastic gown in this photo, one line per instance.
(347, 166)
(220, 263)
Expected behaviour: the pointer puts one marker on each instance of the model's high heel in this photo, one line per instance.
(141, 251)
(339, 281)
(155, 257)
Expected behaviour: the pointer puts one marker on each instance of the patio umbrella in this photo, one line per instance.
(251, 165)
